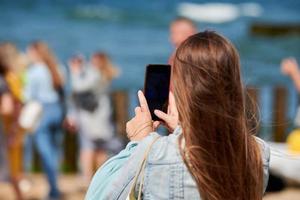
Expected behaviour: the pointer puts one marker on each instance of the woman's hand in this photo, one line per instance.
(289, 66)
(141, 125)
(70, 124)
(170, 119)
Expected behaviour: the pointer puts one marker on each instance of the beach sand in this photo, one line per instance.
(71, 189)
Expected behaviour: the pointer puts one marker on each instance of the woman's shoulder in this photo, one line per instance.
(265, 151)
(265, 155)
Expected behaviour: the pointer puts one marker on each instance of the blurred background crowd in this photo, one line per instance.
(67, 65)
(35, 81)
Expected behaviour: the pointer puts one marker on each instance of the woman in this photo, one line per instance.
(90, 86)
(15, 63)
(211, 155)
(11, 62)
(43, 85)
(7, 171)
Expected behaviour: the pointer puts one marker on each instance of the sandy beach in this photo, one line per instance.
(70, 186)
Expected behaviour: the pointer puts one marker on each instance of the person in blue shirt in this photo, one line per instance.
(211, 152)
(44, 84)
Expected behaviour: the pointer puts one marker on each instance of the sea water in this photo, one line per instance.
(135, 33)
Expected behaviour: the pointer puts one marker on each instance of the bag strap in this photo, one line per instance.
(139, 172)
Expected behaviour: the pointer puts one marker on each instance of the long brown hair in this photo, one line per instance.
(104, 64)
(49, 59)
(220, 152)
(11, 59)
(12, 65)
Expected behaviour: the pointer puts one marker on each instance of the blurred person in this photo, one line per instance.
(16, 63)
(90, 85)
(13, 64)
(103, 64)
(211, 153)
(289, 67)
(44, 83)
(180, 29)
(10, 136)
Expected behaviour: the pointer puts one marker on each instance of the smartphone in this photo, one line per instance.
(156, 87)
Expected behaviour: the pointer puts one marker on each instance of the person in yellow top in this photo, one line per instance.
(15, 84)
(12, 65)
(15, 63)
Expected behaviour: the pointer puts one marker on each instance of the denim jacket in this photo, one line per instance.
(166, 176)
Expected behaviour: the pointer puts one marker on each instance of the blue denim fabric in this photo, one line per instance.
(48, 138)
(166, 176)
(108, 172)
(28, 152)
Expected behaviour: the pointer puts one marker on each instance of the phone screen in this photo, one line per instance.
(156, 88)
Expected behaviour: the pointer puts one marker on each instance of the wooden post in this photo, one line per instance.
(71, 151)
(274, 29)
(120, 106)
(252, 107)
(70, 155)
(279, 118)
(36, 161)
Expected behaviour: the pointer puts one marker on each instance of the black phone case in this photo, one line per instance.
(157, 80)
